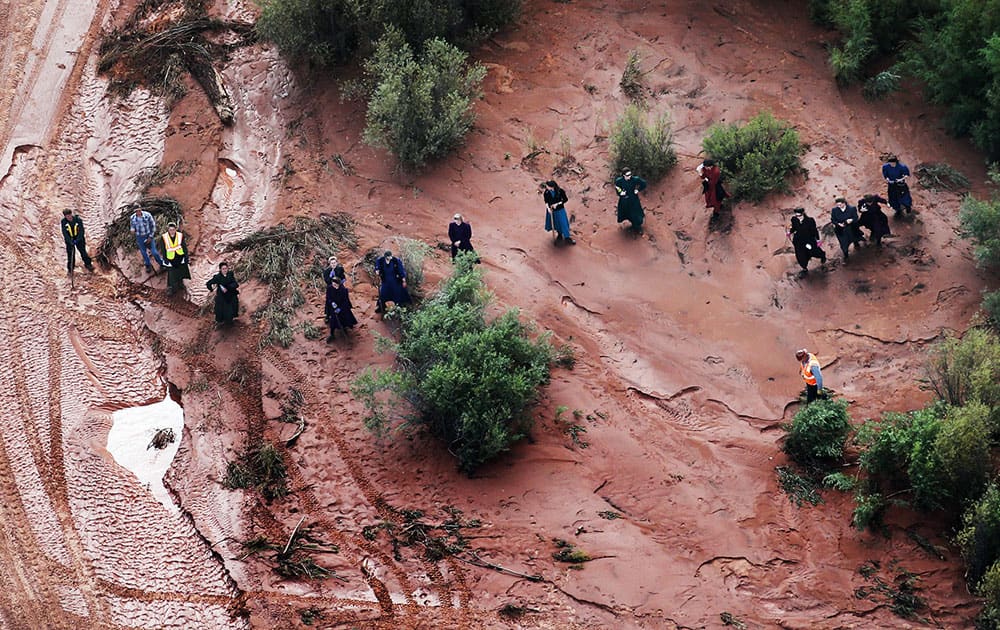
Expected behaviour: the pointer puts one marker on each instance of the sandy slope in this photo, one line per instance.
(684, 339)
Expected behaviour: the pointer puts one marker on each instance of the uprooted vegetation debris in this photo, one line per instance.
(162, 39)
(294, 560)
(260, 467)
(900, 595)
(567, 552)
(435, 541)
(288, 260)
(161, 439)
(119, 235)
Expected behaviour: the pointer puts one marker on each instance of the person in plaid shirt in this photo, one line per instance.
(144, 228)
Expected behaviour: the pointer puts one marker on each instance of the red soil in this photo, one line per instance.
(684, 337)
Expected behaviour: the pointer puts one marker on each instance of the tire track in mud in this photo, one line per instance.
(371, 494)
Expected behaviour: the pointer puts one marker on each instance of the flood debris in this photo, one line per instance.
(162, 439)
(164, 38)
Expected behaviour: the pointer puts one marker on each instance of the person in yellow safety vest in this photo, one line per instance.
(175, 259)
(809, 368)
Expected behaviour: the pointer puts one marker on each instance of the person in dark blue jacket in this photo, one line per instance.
(895, 174)
(392, 278)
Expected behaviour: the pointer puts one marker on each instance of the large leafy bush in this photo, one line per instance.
(817, 434)
(420, 107)
(968, 370)
(755, 158)
(468, 380)
(333, 31)
(642, 144)
(980, 221)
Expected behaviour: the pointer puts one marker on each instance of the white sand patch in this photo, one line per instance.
(129, 439)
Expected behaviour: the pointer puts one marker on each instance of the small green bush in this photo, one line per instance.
(469, 381)
(981, 222)
(421, 107)
(989, 589)
(979, 538)
(968, 369)
(645, 146)
(991, 308)
(413, 253)
(881, 85)
(868, 511)
(335, 31)
(632, 83)
(755, 158)
(259, 467)
(963, 450)
(853, 19)
(899, 455)
(817, 434)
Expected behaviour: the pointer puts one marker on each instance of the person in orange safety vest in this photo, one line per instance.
(810, 370)
(175, 259)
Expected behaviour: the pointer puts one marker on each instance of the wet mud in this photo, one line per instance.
(684, 337)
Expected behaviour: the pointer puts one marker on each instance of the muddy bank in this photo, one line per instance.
(684, 341)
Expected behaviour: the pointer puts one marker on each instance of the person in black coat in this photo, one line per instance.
(392, 282)
(460, 236)
(338, 308)
(805, 239)
(335, 270)
(872, 218)
(74, 236)
(227, 295)
(845, 225)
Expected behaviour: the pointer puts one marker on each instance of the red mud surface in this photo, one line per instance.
(684, 339)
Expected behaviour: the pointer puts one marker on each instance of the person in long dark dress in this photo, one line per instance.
(805, 240)
(392, 278)
(845, 225)
(227, 294)
(628, 187)
(895, 174)
(335, 270)
(872, 218)
(338, 308)
(176, 259)
(460, 236)
(555, 211)
(711, 186)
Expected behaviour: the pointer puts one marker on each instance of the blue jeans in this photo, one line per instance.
(152, 246)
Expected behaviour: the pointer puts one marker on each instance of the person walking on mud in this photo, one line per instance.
(630, 209)
(176, 259)
(143, 226)
(75, 238)
(895, 174)
(711, 186)
(460, 236)
(392, 282)
(805, 240)
(227, 295)
(873, 219)
(555, 211)
(845, 226)
(811, 374)
(338, 308)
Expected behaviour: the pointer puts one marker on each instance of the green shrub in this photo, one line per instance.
(989, 588)
(853, 19)
(413, 253)
(868, 511)
(991, 308)
(963, 451)
(421, 108)
(899, 455)
(968, 369)
(260, 467)
(645, 146)
(755, 158)
(979, 538)
(881, 85)
(981, 222)
(817, 433)
(469, 381)
(957, 57)
(334, 31)
(632, 83)
(320, 31)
